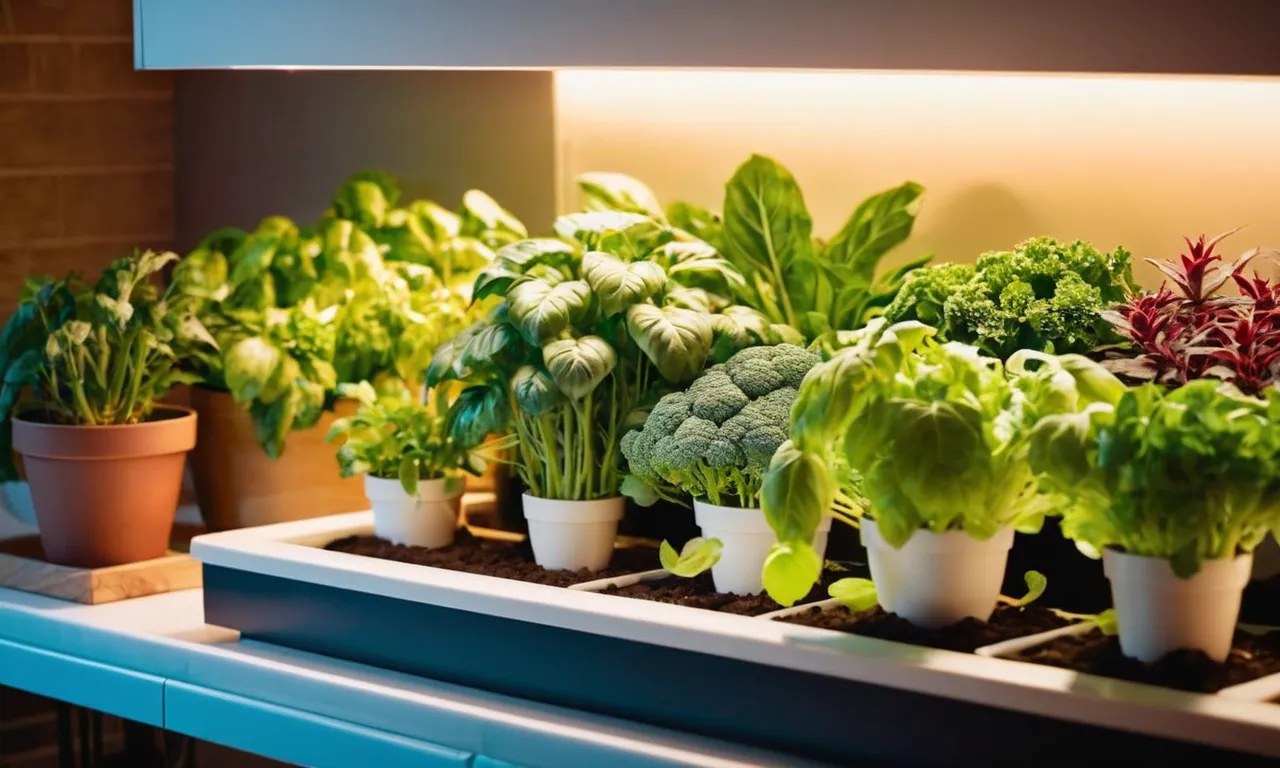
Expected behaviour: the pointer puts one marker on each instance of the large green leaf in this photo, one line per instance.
(541, 311)
(535, 392)
(798, 490)
(490, 344)
(767, 228)
(676, 340)
(618, 192)
(790, 571)
(619, 285)
(250, 365)
(484, 219)
(879, 223)
(578, 365)
(478, 412)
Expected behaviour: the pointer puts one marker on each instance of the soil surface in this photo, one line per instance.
(504, 559)
(967, 636)
(700, 592)
(1252, 656)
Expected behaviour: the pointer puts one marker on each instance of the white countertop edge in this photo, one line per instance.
(1019, 686)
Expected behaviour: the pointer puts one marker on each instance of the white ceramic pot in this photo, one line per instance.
(571, 535)
(746, 537)
(938, 579)
(1157, 612)
(429, 519)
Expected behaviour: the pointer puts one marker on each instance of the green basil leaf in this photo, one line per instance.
(541, 311)
(697, 556)
(618, 192)
(790, 571)
(249, 366)
(535, 392)
(578, 365)
(855, 594)
(620, 285)
(677, 341)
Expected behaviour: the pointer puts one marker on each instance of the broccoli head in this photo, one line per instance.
(716, 439)
(1043, 295)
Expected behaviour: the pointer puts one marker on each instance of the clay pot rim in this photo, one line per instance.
(179, 412)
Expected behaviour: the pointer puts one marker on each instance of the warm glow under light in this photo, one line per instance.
(1132, 160)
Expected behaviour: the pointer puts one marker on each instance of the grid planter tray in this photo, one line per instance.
(826, 695)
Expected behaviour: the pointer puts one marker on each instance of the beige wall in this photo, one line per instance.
(1132, 161)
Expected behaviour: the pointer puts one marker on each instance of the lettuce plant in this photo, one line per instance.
(96, 355)
(936, 434)
(399, 437)
(298, 312)
(592, 328)
(1044, 294)
(1188, 475)
(1193, 330)
(766, 233)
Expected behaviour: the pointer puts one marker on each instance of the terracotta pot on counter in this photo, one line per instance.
(105, 495)
(238, 486)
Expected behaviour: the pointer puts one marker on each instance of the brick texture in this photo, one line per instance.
(86, 159)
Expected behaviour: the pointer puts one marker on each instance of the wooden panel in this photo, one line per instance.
(1173, 36)
(22, 566)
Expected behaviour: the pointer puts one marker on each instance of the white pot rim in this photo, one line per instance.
(1218, 573)
(948, 542)
(435, 489)
(572, 511)
(739, 519)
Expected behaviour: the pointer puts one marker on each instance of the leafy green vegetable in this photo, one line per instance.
(697, 556)
(714, 440)
(366, 296)
(593, 327)
(1187, 475)
(398, 437)
(96, 355)
(1042, 295)
(785, 274)
(937, 434)
(1036, 585)
(855, 594)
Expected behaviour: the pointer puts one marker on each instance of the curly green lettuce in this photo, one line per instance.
(1043, 295)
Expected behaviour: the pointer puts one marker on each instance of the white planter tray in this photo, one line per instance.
(272, 563)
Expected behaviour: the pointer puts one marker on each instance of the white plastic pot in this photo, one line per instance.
(1157, 612)
(571, 535)
(938, 579)
(746, 537)
(429, 519)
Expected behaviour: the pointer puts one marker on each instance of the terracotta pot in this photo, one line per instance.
(238, 486)
(106, 495)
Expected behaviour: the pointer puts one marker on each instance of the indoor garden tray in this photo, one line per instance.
(761, 679)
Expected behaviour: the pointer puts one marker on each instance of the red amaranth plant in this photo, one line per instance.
(1193, 332)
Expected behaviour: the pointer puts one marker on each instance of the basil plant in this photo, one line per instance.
(932, 436)
(592, 327)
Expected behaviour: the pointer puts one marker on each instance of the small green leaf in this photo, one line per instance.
(1036, 583)
(618, 192)
(1106, 622)
(855, 594)
(535, 392)
(579, 365)
(790, 571)
(409, 475)
(638, 491)
(697, 555)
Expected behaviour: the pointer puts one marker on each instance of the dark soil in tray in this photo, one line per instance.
(700, 592)
(490, 557)
(967, 636)
(1252, 656)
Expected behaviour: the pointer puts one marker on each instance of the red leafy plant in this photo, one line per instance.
(1193, 331)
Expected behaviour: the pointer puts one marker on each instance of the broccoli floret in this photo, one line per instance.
(715, 397)
(716, 439)
(1043, 295)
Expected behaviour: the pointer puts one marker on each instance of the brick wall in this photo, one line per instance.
(86, 143)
